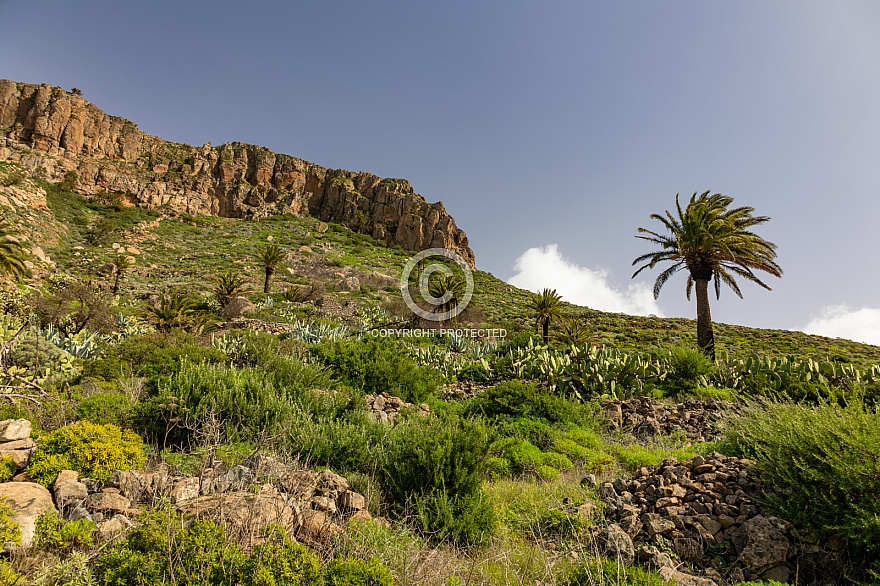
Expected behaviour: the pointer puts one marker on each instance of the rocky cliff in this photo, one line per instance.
(51, 132)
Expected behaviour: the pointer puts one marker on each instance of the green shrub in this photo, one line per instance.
(10, 532)
(246, 400)
(497, 468)
(523, 456)
(517, 399)
(534, 431)
(436, 466)
(95, 450)
(548, 473)
(556, 460)
(635, 456)
(350, 443)
(474, 372)
(462, 520)
(7, 468)
(377, 365)
(278, 561)
(105, 408)
(51, 532)
(570, 448)
(610, 572)
(687, 366)
(557, 524)
(826, 460)
(355, 572)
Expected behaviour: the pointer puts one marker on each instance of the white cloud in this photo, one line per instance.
(839, 321)
(540, 268)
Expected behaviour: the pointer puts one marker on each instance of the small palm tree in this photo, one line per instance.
(714, 243)
(122, 264)
(574, 331)
(269, 256)
(227, 286)
(547, 306)
(172, 311)
(448, 287)
(13, 253)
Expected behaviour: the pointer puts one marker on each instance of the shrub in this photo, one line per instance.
(557, 524)
(95, 450)
(498, 468)
(826, 460)
(53, 533)
(437, 466)
(686, 368)
(523, 456)
(556, 460)
(245, 399)
(350, 443)
(103, 408)
(517, 399)
(355, 572)
(10, 532)
(7, 468)
(548, 473)
(610, 572)
(377, 365)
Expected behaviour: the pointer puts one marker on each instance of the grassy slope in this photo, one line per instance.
(185, 252)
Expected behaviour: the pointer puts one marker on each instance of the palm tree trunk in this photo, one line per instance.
(705, 336)
(269, 272)
(546, 328)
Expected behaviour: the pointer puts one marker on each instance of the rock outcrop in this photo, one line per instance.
(51, 132)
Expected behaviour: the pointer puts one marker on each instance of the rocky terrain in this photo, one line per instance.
(51, 132)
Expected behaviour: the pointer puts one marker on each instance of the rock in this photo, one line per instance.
(589, 480)
(300, 484)
(348, 284)
(14, 429)
(27, 500)
(317, 528)
(777, 574)
(351, 501)
(67, 488)
(761, 545)
(245, 514)
(238, 307)
(107, 502)
(184, 489)
(616, 544)
(682, 579)
(331, 484)
(19, 450)
(322, 503)
(52, 131)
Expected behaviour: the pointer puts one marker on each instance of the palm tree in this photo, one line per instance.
(227, 286)
(12, 253)
(547, 306)
(171, 311)
(713, 243)
(270, 256)
(574, 331)
(442, 285)
(122, 264)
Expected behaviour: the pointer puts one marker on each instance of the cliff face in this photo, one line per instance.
(50, 132)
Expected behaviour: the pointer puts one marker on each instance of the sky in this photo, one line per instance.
(550, 130)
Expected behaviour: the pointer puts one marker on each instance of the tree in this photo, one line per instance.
(714, 243)
(441, 285)
(12, 253)
(547, 306)
(269, 256)
(122, 264)
(227, 286)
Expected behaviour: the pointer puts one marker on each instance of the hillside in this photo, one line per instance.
(176, 423)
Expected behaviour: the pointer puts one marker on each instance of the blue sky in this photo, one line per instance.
(537, 124)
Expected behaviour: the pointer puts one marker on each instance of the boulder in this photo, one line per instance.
(27, 500)
(348, 284)
(14, 429)
(616, 544)
(20, 450)
(245, 514)
(67, 489)
(238, 307)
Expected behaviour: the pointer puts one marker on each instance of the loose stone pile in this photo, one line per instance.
(704, 511)
(384, 407)
(649, 417)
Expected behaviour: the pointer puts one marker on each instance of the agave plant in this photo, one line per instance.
(312, 333)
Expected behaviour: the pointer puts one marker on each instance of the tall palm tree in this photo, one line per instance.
(270, 256)
(547, 306)
(13, 253)
(714, 243)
